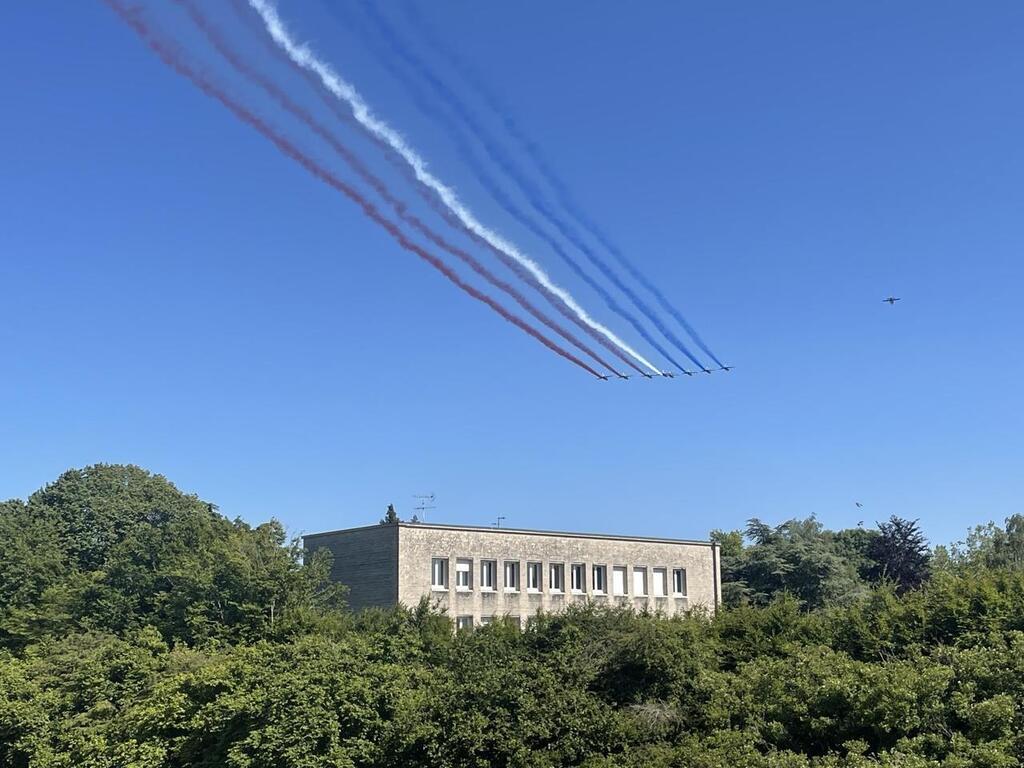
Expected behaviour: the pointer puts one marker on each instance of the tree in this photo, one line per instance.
(115, 548)
(900, 554)
(798, 557)
(95, 507)
(32, 561)
(390, 517)
(991, 546)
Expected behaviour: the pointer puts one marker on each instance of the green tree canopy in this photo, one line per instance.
(798, 557)
(900, 554)
(96, 507)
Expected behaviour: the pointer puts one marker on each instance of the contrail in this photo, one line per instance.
(304, 57)
(519, 215)
(336, 106)
(401, 50)
(231, 56)
(561, 189)
(169, 56)
(463, 144)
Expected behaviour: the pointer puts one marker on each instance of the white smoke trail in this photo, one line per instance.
(303, 56)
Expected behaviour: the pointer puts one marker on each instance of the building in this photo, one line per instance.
(477, 574)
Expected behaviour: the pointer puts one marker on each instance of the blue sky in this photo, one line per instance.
(180, 296)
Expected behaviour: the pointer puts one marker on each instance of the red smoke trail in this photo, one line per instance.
(282, 98)
(342, 114)
(132, 17)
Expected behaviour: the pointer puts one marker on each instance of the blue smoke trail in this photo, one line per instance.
(562, 192)
(533, 195)
(463, 145)
(513, 210)
(505, 116)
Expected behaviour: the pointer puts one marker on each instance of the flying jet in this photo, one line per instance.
(727, 367)
(706, 370)
(602, 378)
(891, 301)
(646, 375)
(668, 374)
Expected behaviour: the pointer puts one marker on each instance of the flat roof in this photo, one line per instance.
(525, 531)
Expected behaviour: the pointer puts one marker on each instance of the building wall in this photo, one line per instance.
(419, 544)
(365, 560)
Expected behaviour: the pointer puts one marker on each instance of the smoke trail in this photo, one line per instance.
(433, 200)
(400, 49)
(218, 42)
(168, 55)
(529, 146)
(463, 145)
(519, 215)
(304, 57)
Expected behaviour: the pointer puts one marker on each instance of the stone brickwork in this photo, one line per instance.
(413, 547)
(419, 544)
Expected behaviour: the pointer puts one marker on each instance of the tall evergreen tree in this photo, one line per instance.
(390, 517)
(900, 554)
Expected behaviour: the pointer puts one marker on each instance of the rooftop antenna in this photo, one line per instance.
(426, 501)
(498, 524)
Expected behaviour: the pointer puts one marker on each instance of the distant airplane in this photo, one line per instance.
(891, 300)
(706, 370)
(727, 367)
(646, 375)
(668, 374)
(859, 505)
(602, 378)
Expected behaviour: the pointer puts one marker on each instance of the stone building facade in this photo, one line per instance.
(479, 574)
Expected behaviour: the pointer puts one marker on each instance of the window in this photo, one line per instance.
(533, 583)
(679, 581)
(639, 581)
(464, 623)
(600, 579)
(439, 573)
(485, 620)
(488, 574)
(556, 578)
(511, 576)
(660, 585)
(578, 574)
(463, 575)
(619, 580)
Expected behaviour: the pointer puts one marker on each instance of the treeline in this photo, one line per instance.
(819, 567)
(139, 627)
